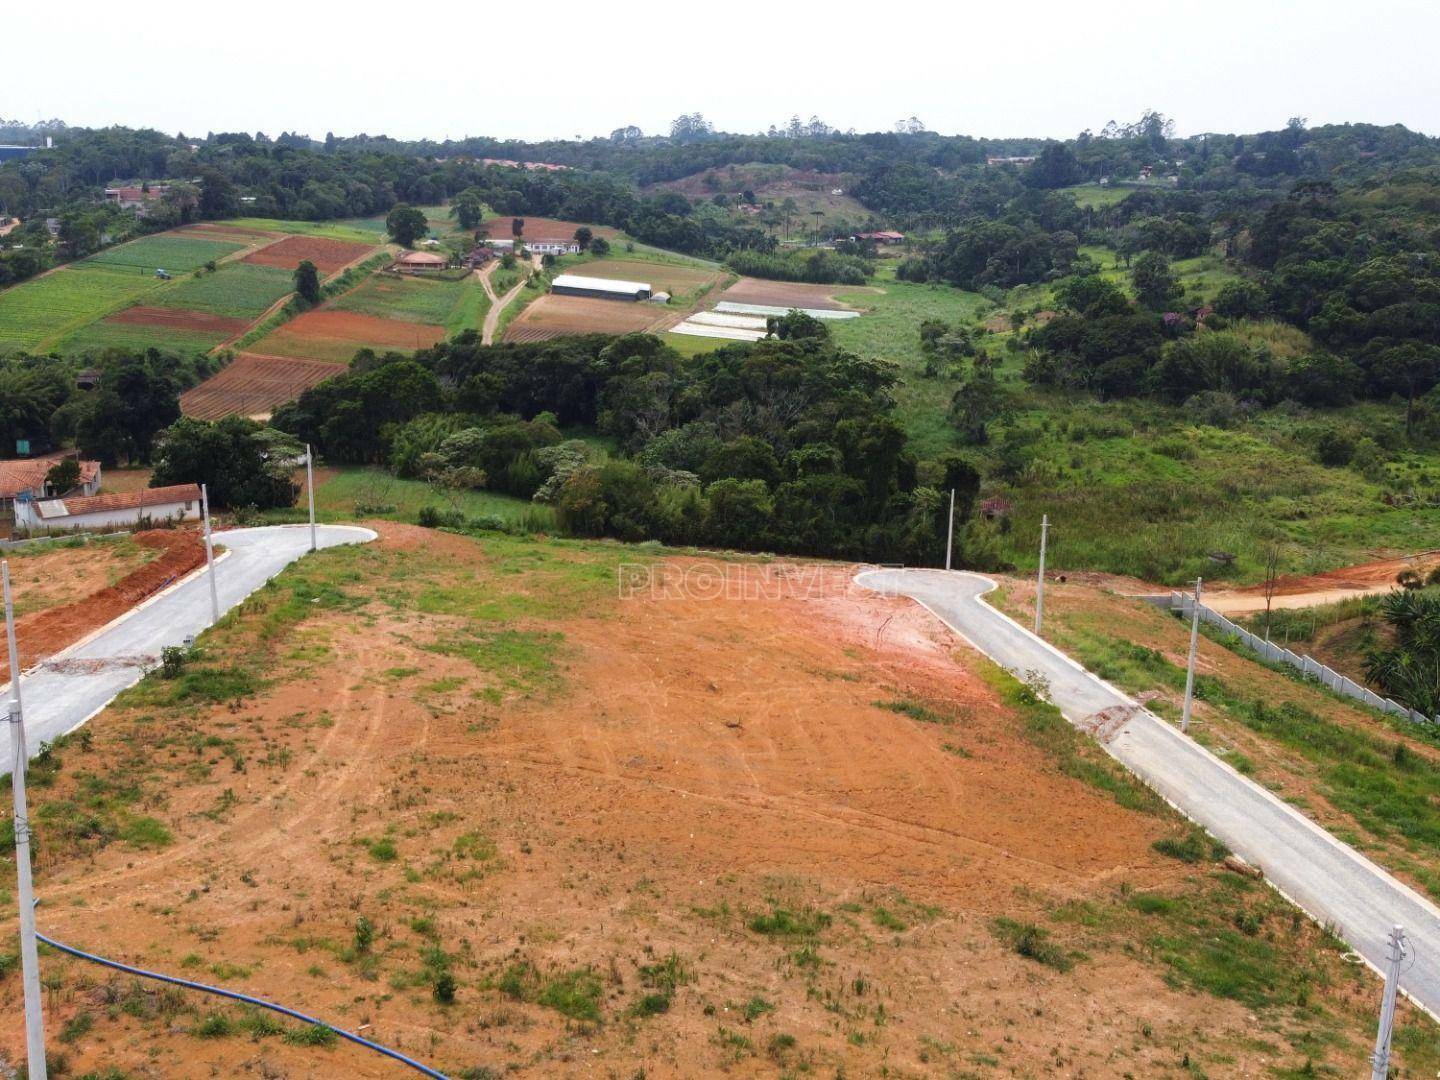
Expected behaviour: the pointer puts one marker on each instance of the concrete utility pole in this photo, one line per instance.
(1190, 667)
(1040, 577)
(950, 532)
(25, 886)
(1380, 1059)
(310, 489)
(210, 557)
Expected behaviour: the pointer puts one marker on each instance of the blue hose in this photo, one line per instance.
(261, 1002)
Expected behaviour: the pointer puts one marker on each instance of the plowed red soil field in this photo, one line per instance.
(180, 319)
(218, 231)
(327, 255)
(47, 632)
(336, 336)
(543, 228)
(254, 385)
(555, 316)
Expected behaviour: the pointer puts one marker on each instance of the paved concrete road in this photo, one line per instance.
(1330, 880)
(69, 688)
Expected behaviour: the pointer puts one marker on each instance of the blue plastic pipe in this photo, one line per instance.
(235, 996)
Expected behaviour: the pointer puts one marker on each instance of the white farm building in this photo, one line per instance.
(121, 510)
(603, 288)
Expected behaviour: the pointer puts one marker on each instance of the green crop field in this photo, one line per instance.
(48, 308)
(113, 335)
(455, 305)
(177, 254)
(238, 290)
(1098, 196)
(355, 231)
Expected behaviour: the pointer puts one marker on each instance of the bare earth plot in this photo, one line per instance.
(327, 255)
(253, 385)
(779, 830)
(542, 228)
(335, 336)
(786, 294)
(551, 316)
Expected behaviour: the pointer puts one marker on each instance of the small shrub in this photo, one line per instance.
(443, 988)
(1031, 942)
(214, 1026)
(1196, 847)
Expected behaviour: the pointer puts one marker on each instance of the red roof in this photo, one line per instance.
(28, 474)
(123, 500)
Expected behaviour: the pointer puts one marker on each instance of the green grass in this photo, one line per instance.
(236, 290)
(1143, 489)
(890, 330)
(438, 303)
(349, 231)
(375, 493)
(48, 308)
(1098, 196)
(113, 335)
(576, 993)
(177, 254)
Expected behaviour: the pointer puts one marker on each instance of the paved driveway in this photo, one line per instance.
(69, 688)
(1330, 880)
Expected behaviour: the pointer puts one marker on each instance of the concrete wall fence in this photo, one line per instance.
(1183, 604)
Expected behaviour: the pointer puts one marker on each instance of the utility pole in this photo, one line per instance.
(950, 532)
(1040, 577)
(210, 557)
(310, 489)
(25, 886)
(1190, 667)
(1380, 1059)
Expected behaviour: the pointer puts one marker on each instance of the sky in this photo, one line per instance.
(560, 69)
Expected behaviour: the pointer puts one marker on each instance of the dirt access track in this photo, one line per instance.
(1311, 590)
(729, 819)
(47, 632)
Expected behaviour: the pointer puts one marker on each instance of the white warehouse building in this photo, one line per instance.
(604, 288)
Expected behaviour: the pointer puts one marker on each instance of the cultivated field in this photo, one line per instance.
(334, 335)
(327, 255)
(786, 294)
(163, 251)
(423, 787)
(43, 310)
(455, 305)
(237, 290)
(254, 386)
(555, 316)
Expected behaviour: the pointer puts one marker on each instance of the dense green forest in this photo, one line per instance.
(1192, 350)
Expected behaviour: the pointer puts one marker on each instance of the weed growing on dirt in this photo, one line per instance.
(575, 993)
(916, 710)
(790, 923)
(1031, 942)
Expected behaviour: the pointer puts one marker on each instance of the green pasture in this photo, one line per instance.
(411, 299)
(237, 290)
(111, 335)
(43, 310)
(348, 230)
(177, 254)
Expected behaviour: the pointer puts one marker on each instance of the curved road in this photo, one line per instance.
(1331, 881)
(67, 689)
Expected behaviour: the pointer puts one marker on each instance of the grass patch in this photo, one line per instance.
(575, 993)
(1032, 942)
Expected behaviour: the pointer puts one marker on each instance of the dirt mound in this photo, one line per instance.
(327, 255)
(47, 632)
(180, 319)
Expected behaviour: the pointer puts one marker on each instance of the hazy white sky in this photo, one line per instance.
(437, 69)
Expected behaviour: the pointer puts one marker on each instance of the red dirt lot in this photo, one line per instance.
(551, 316)
(254, 385)
(327, 255)
(787, 294)
(542, 228)
(1308, 590)
(47, 632)
(180, 319)
(687, 763)
(325, 334)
